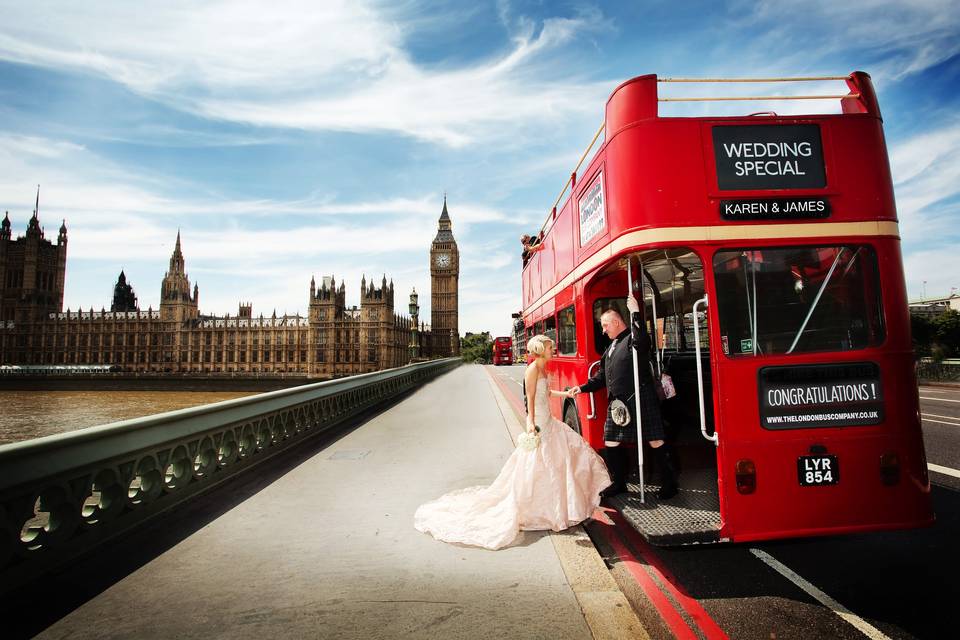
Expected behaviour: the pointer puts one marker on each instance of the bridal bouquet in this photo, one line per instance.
(528, 441)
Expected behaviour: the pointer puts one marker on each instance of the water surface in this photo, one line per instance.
(31, 414)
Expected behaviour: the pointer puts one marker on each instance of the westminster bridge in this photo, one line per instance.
(288, 514)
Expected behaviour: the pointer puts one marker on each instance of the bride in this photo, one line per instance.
(553, 486)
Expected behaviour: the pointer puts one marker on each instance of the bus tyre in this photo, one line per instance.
(571, 418)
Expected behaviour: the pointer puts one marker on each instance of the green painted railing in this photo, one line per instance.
(62, 495)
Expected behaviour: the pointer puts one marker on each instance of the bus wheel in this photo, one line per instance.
(571, 418)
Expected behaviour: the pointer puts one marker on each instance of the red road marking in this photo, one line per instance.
(678, 626)
(514, 402)
(711, 630)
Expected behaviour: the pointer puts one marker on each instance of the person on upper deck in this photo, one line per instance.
(530, 246)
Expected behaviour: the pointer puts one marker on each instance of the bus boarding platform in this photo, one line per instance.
(328, 549)
(690, 517)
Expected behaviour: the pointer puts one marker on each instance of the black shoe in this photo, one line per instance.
(667, 491)
(668, 472)
(613, 490)
(616, 461)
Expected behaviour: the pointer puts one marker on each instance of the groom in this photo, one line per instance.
(616, 374)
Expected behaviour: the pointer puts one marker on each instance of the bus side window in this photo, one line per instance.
(550, 328)
(567, 320)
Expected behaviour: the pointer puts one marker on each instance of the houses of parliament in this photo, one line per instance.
(332, 340)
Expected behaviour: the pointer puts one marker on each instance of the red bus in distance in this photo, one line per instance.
(765, 252)
(503, 350)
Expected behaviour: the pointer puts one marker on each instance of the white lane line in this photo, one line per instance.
(947, 471)
(933, 415)
(862, 625)
(938, 399)
(952, 424)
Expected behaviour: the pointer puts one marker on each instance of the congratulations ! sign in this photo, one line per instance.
(830, 395)
(769, 157)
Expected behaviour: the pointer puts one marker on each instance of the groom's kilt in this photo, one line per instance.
(652, 424)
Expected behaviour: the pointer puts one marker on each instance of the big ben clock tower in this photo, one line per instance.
(444, 296)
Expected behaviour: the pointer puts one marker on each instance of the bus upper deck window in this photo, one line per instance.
(798, 299)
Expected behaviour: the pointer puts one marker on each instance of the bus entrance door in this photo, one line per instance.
(675, 317)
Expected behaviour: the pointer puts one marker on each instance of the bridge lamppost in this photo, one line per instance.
(415, 321)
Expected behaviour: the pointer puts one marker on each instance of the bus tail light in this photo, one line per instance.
(746, 476)
(890, 468)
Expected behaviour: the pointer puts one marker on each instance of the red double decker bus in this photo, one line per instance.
(503, 350)
(765, 252)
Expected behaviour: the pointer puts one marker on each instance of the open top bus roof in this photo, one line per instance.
(656, 179)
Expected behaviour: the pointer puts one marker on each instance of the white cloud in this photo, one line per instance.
(181, 45)
(934, 271)
(315, 66)
(926, 171)
(120, 219)
(901, 38)
(84, 186)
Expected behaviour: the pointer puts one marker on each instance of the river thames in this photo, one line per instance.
(32, 414)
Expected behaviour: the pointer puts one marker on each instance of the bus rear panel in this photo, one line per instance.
(503, 350)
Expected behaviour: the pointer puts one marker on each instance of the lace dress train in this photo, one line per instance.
(553, 487)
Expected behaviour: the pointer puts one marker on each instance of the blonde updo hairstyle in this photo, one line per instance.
(537, 345)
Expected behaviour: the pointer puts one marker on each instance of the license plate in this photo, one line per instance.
(815, 471)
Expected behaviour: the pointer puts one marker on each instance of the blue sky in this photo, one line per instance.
(288, 139)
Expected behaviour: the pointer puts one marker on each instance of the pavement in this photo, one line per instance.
(900, 584)
(326, 548)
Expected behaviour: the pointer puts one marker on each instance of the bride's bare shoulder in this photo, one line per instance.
(531, 370)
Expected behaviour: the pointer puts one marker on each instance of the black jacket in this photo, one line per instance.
(616, 366)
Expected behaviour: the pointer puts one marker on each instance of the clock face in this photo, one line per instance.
(443, 260)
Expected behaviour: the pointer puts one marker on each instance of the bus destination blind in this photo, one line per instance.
(829, 395)
(593, 214)
(774, 209)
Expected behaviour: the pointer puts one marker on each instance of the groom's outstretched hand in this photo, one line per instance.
(573, 391)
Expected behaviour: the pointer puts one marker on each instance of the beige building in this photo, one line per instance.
(934, 307)
(331, 340)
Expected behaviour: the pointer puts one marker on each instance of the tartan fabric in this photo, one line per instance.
(652, 424)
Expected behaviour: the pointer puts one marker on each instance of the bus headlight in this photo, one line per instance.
(746, 476)
(890, 468)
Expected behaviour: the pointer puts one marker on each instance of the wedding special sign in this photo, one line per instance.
(769, 157)
(821, 395)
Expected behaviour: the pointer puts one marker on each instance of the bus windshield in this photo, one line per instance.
(798, 299)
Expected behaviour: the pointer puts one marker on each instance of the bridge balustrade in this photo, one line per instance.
(62, 495)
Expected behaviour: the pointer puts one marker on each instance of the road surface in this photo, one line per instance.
(880, 585)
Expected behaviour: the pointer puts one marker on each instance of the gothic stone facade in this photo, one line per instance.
(444, 287)
(32, 271)
(332, 340)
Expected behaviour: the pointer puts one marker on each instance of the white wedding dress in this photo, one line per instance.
(555, 486)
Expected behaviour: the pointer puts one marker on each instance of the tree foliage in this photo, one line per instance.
(937, 338)
(477, 347)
